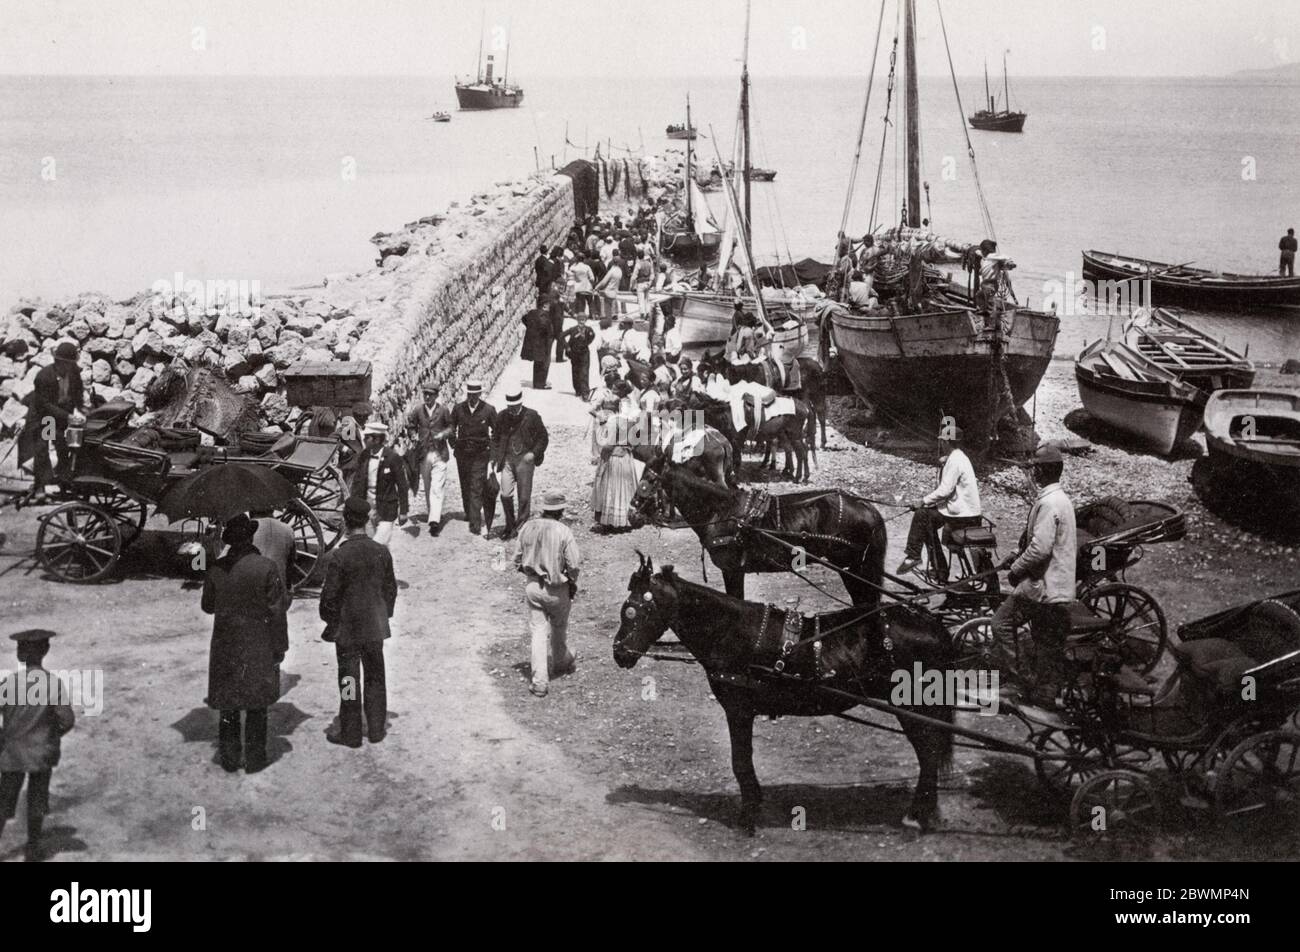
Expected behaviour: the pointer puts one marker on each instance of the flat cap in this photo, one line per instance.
(552, 501)
(30, 635)
(356, 506)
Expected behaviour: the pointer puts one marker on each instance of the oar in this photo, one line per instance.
(1172, 267)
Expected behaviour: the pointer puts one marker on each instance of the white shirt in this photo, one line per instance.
(582, 276)
(957, 487)
(372, 480)
(607, 252)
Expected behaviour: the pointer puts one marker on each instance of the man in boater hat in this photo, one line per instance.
(473, 420)
(519, 443)
(380, 479)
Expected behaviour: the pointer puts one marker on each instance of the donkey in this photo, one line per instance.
(812, 390)
(841, 528)
(729, 636)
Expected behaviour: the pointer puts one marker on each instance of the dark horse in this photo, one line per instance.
(841, 528)
(812, 387)
(739, 642)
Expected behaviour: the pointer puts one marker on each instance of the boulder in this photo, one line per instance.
(97, 322)
(304, 324)
(239, 333)
(233, 363)
(101, 371)
(141, 379)
(253, 348)
(147, 341)
(125, 369)
(268, 333)
(391, 262)
(44, 326)
(267, 376)
(193, 351)
(109, 392)
(286, 353)
(275, 408)
(247, 384)
(115, 321)
(12, 414)
(317, 355)
(125, 350)
(101, 347)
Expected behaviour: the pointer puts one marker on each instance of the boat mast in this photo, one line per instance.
(482, 25)
(1006, 86)
(505, 75)
(913, 115)
(744, 115)
(690, 170)
(987, 95)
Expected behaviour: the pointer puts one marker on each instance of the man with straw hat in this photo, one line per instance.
(473, 420)
(380, 479)
(432, 420)
(548, 556)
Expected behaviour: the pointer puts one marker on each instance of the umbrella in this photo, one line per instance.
(222, 492)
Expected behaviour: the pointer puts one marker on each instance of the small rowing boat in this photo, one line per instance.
(1170, 342)
(1194, 287)
(1133, 394)
(1254, 441)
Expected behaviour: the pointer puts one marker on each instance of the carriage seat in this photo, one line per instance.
(1216, 662)
(975, 537)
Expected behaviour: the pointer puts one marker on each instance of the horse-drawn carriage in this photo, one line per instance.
(118, 472)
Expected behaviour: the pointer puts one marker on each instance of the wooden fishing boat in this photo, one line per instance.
(993, 119)
(704, 317)
(1253, 437)
(1167, 340)
(687, 131)
(441, 117)
(1194, 287)
(1127, 391)
(692, 235)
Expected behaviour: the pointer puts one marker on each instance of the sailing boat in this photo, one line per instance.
(990, 119)
(694, 236)
(705, 317)
(920, 357)
(487, 92)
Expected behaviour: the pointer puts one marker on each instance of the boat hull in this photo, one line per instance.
(1001, 122)
(682, 134)
(927, 366)
(1253, 439)
(1204, 289)
(704, 320)
(688, 245)
(475, 98)
(1159, 420)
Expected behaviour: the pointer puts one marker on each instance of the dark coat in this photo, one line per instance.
(360, 591)
(392, 490)
(250, 630)
(473, 428)
(543, 271)
(434, 426)
(579, 338)
(537, 335)
(518, 433)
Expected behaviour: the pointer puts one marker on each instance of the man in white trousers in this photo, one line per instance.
(432, 420)
(548, 556)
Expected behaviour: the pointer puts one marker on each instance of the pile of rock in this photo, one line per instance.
(125, 344)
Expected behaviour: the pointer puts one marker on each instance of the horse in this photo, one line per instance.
(738, 643)
(813, 389)
(791, 432)
(841, 528)
(711, 458)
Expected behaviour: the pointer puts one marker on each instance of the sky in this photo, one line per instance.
(1102, 38)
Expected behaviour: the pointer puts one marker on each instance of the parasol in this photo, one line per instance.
(222, 492)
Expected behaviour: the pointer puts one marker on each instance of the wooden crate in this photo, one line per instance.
(334, 384)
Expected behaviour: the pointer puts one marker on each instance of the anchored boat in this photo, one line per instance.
(487, 92)
(993, 119)
(1194, 287)
(1125, 390)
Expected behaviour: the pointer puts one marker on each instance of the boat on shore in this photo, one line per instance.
(1129, 392)
(691, 235)
(923, 354)
(1253, 438)
(1190, 354)
(1194, 287)
(993, 119)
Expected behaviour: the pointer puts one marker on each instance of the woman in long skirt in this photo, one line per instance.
(617, 472)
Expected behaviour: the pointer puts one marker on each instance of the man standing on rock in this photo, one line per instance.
(432, 420)
(548, 556)
(56, 400)
(380, 479)
(473, 421)
(519, 442)
(356, 602)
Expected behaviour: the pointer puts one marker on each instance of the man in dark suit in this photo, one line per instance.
(473, 420)
(537, 342)
(543, 273)
(578, 338)
(519, 443)
(432, 421)
(380, 479)
(56, 401)
(356, 602)
(244, 592)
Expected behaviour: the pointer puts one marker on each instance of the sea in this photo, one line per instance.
(112, 183)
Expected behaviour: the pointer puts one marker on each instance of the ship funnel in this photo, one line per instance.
(488, 77)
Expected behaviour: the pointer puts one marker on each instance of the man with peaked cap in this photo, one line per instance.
(955, 504)
(55, 402)
(548, 557)
(1043, 574)
(473, 420)
(432, 421)
(356, 602)
(380, 479)
(519, 442)
(36, 712)
(244, 593)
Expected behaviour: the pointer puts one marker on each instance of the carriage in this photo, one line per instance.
(118, 472)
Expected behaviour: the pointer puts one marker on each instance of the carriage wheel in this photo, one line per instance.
(973, 642)
(309, 542)
(1117, 804)
(1065, 759)
(1261, 779)
(128, 513)
(78, 542)
(1137, 624)
(324, 492)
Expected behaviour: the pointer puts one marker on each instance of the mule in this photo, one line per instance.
(841, 528)
(729, 637)
(812, 391)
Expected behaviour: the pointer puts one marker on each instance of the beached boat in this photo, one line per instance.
(993, 119)
(1194, 287)
(1254, 441)
(487, 92)
(687, 131)
(920, 357)
(1129, 392)
(1183, 349)
(704, 317)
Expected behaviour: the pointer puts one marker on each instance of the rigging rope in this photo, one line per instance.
(862, 129)
(884, 135)
(970, 147)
